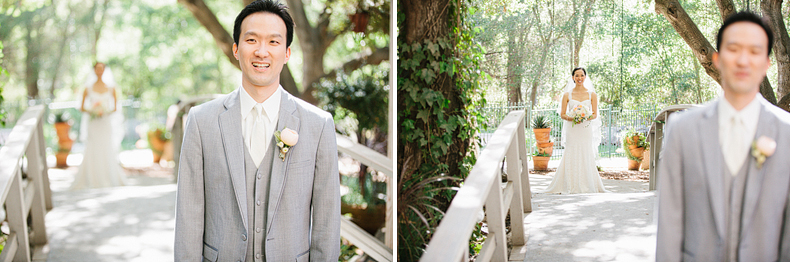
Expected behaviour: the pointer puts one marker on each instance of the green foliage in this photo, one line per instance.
(363, 92)
(539, 154)
(61, 117)
(628, 141)
(374, 191)
(539, 122)
(435, 122)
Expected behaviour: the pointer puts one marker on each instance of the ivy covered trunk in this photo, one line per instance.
(438, 89)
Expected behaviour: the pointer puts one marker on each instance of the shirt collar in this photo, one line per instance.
(271, 105)
(749, 114)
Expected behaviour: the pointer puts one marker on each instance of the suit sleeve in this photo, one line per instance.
(190, 196)
(670, 197)
(325, 231)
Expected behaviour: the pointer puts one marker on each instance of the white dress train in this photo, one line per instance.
(577, 172)
(100, 166)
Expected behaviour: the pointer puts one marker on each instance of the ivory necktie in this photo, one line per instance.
(736, 147)
(258, 135)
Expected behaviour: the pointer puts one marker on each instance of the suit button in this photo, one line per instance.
(244, 237)
(258, 202)
(258, 255)
(259, 175)
(258, 230)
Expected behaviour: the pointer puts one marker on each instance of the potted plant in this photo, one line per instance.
(540, 161)
(541, 128)
(158, 139)
(634, 146)
(65, 142)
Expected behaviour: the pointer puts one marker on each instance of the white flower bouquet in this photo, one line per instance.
(580, 114)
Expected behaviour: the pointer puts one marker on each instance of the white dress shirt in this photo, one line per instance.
(749, 116)
(271, 112)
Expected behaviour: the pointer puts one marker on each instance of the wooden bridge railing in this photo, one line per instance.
(348, 230)
(24, 186)
(484, 186)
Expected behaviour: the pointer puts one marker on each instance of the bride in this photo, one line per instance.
(100, 166)
(577, 172)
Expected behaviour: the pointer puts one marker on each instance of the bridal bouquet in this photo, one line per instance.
(580, 114)
(97, 109)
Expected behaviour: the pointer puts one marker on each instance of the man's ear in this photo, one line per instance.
(715, 59)
(236, 51)
(287, 54)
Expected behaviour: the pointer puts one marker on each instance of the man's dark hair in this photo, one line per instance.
(269, 6)
(746, 16)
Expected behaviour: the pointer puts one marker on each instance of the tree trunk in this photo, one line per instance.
(206, 17)
(772, 10)
(428, 21)
(547, 43)
(578, 39)
(513, 77)
(102, 13)
(61, 51)
(31, 64)
(688, 30)
(726, 8)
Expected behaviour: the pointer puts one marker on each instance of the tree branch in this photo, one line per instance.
(726, 8)
(371, 58)
(784, 103)
(207, 18)
(688, 30)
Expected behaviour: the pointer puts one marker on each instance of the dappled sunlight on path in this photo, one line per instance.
(615, 226)
(127, 223)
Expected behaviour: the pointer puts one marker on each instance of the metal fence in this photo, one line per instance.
(615, 122)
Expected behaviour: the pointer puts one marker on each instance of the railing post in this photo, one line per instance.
(524, 174)
(35, 172)
(45, 170)
(495, 215)
(516, 206)
(17, 222)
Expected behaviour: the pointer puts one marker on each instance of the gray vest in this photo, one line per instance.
(734, 190)
(257, 202)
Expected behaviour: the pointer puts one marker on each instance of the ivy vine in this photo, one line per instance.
(432, 121)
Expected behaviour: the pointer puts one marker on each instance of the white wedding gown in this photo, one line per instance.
(577, 172)
(100, 166)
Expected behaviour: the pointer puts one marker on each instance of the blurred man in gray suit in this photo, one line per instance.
(724, 171)
(258, 178)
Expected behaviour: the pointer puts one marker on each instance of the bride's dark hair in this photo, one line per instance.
(578, 68)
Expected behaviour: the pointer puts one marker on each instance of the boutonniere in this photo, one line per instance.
(285, 140)
(762, 149)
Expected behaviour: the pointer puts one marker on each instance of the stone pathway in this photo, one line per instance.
(129, 223)
(616, 226)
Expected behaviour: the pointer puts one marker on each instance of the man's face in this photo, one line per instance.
(261, 50)
(743, 58)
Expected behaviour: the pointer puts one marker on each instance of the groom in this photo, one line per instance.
(724, 171)
(248, 188)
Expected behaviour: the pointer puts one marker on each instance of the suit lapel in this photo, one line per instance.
(754, 180)
(233, 141)
(714, 161)
(287, 118)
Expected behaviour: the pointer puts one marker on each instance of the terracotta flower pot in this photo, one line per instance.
(60, 159)
(540, 162)
(645, 160)
(62, 130)
(546, 148)
(638, 152)
(542, 135)
(157, 144)
(633, 165)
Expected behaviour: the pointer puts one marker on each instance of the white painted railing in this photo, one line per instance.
(350, 231)
(484, 186)
(24, 186)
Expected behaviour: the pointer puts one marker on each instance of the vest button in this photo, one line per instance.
(259, 175)
(244, 237)
(258, 202)
(258, 230)
(258, 255)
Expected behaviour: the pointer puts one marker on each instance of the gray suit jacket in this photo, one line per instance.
(304, 199)
(691, 190)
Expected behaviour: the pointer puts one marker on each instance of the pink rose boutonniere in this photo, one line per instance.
(285, 140)
(762, 149)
